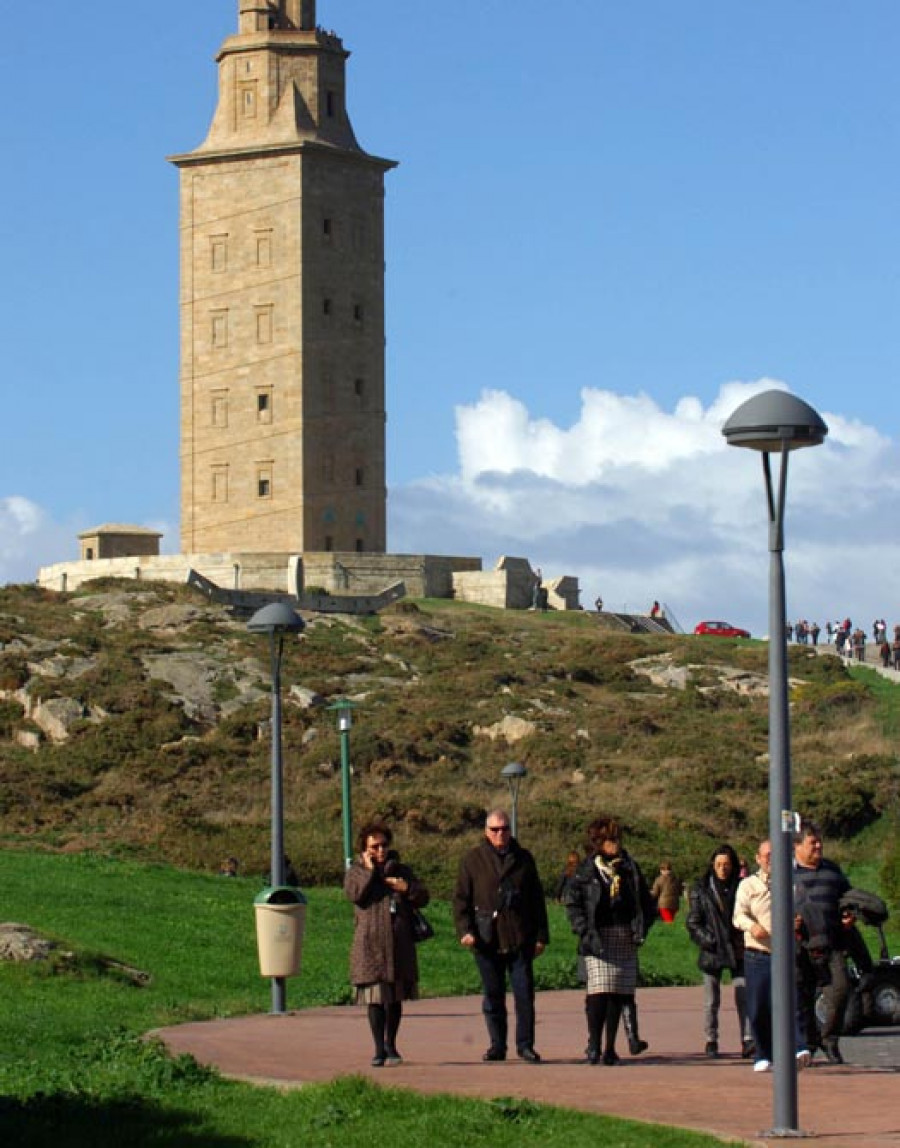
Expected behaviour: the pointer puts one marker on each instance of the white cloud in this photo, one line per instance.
(29, 538)
(643, 503)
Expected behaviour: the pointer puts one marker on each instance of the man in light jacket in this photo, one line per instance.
(753, 916)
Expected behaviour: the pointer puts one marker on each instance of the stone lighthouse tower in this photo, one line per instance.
(282, 302)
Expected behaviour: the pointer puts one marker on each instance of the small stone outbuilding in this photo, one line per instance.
(113, 540)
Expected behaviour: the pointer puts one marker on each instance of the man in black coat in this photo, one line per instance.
(501, 917)
(818, 887)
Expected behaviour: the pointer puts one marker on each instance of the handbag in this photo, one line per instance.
(485, 924)
(421, 927)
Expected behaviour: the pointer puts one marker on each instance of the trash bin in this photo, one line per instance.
(280, 919)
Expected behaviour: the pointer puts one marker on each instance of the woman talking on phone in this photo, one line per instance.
(383, 965)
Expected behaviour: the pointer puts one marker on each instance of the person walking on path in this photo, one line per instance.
(753, 916)
(610, 910)
(383, 964)
(819, 885)
(711, 928)
(501, 918)
(666, 890)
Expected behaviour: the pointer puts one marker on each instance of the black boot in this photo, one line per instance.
(630, 1023)
(376, 1024)
(595, 1010)
(613, 1012)
(394, 1013)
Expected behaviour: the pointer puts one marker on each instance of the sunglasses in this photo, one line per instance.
(498, 829)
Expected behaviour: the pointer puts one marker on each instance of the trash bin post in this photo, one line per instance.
(280, 923)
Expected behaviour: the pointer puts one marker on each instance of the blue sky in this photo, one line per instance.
(611, 222)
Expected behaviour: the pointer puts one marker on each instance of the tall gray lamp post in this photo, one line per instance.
(276, 620)
(513, 775)
(344, 709)
(775, 422)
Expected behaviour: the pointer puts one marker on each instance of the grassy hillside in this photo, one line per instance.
(169, 759)
(75, 1071)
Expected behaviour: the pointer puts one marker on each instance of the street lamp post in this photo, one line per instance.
(513, 775)
(276, 620)
(776, 422)
(344, 709)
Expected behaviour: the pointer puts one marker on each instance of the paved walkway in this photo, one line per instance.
(852, 1106)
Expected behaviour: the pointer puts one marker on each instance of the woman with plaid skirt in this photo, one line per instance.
(610, 910)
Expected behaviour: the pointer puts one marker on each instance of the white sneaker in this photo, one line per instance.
(803, 1059)
(762, 1065)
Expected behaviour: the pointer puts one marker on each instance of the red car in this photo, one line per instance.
(721, 630)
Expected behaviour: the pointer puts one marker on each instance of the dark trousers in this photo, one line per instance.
(834, 997)
(494, 968)
(758, 975)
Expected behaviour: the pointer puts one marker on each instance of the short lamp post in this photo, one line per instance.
(513, 774)
(775, 422)
(344, 710)
(276, 620)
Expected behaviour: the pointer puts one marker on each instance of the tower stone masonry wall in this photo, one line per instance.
(282, 304)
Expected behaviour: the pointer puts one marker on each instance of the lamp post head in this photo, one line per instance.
(774, 421)
(276, 618)
(514, 771)
(512, 774)
(344, 708)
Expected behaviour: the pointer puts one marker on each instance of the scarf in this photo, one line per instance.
(609, 870)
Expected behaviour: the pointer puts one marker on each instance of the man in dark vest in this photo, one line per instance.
(501, 917)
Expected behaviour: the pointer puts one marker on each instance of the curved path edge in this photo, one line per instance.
(856, 1105)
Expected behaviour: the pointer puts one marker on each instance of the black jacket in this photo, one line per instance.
(709, 923)
(591, 909)
(499, 899)
(817, 898)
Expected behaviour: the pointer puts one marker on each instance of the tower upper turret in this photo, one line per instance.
(283, 15)
(281, 81)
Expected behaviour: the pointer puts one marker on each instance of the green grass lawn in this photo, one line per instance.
(74, 1070)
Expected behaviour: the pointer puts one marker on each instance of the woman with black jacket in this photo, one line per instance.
(710, 926)
(610, 910)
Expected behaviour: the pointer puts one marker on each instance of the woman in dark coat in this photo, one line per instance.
(610, 910)
(710, 926)
(383, 964)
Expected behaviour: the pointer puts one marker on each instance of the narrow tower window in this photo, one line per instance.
(218, 253)
(219, 409)
(264, 480)
(219, 329)
(219, 483)
(247, 97)
(264, 323)
(264, 405)
(264, 248)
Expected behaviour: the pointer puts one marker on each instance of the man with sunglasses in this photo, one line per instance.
(501, 917)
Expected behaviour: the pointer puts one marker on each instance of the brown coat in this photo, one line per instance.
(505, 888)
(667, 890)
(383, 948)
